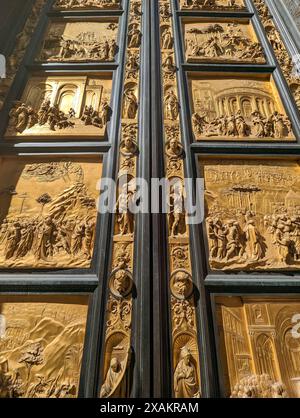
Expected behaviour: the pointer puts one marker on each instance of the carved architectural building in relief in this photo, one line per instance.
(238, 107)
(222, 41)
(41, 346)
(213, 5)
(260, 355)
(85, 41)
(62, 106)
(87, 4)
(48, 212)
(252, 214)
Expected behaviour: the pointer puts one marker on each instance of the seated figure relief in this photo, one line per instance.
(80, 41)
(235, 108)
(253, 215)
(230, 5)
(70, 106)
(226, 42)
(87, 4)
(53, 224)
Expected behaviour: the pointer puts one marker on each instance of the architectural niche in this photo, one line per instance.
(259, 351)
(76, 106)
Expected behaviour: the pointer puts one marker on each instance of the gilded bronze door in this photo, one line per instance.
(149, 199)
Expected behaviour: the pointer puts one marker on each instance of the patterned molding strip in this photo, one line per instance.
(117, 360)
(186, 368)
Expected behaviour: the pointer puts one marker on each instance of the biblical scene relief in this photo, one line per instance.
(62, 106)
(252, 214)
(238, 108)
(260, 352)
(80, 41)
(227, 5)
(41, 346)
(222, 42)
(87, 4)
(48, 212)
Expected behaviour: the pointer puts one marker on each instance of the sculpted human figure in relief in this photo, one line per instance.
(185, 377)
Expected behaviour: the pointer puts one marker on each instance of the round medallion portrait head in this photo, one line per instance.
(181, 284)
(120, 283)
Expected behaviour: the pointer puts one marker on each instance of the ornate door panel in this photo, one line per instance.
(100, 300)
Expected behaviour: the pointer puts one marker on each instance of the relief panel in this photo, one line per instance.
(235, 107)
(214, 5)
(260, 354)
(57, 106)
(222, 41)
(48, 212)
(87, 4)
(41, 345)
(252, 214)
(80, 41)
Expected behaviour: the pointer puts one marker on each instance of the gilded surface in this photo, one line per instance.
(260, 354)
(252, 214)
(222, 41)
(62, 106)
(235, 107)
(21, 43)
(87, 4)
(116, 382)
(48, 212)
(186, 368)
(214, 5)
(41, 345)
(80, 41)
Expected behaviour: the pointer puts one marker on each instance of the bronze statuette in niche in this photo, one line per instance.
(85, 41)
(259, 346)
(75, 106)
(41, 345)
(222, 41)
(252, 214)
(239, 108)
(48, 212)
(87, 4)
(214, 5)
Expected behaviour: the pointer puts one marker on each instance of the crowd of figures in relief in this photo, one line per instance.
(235, 5)
(253, 215)
(222, 42)
(88, 41)
(87, 4)
(51, 228)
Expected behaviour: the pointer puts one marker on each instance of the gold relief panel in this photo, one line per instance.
(62, 106)
(87, 4)
(234, 107)
(214, 5)
(41, 345)
(222, 40)
(80, 41)
(259, 346)
(252, 211)
(48, 212)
